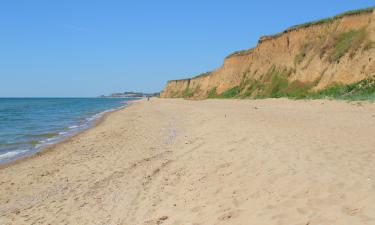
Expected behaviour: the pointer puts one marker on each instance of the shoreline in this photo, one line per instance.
(172, 161)
(51, 147)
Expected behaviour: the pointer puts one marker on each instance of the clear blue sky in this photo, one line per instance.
(88, 48)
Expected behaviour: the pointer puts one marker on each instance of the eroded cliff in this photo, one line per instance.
(305, 58)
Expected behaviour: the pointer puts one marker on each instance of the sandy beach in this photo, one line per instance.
(172, 161)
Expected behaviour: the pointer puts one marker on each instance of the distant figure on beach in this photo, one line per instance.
(148, 98)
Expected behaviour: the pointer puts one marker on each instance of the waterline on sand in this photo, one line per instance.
(14, 146)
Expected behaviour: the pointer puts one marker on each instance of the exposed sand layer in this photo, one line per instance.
(302, 58)
(204, 162)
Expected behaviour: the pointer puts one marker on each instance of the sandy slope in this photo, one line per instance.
(204, 162)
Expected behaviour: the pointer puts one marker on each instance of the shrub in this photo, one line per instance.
(231, 93)
(212, 93)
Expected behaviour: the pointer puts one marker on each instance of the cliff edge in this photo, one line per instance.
(304, 58)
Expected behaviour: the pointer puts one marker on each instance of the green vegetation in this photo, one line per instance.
(279, 87)
(363, 90)
(325, 20)
(298, 59)
(368, 45)
(349, 41)
(202, 74)
(275, 84)
(297, 90)
(231, 93)
(308, 24)
(329, 45)
(212, 93)
(356, 12)
(174, 94)
(241, 52)
(331, 19)
(189, 93)
(250, 87)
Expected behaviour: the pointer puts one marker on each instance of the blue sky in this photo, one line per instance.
(77, 48)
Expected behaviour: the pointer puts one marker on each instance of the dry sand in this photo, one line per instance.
(204, 162)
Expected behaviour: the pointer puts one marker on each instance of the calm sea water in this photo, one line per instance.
(29, 124)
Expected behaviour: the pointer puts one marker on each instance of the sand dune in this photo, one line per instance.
(204, 162)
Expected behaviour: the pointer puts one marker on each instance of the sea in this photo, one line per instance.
(27, 125)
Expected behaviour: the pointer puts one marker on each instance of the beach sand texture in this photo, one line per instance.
(172, 161)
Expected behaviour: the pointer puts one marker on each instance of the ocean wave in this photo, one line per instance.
(11, 154)
(32, 143)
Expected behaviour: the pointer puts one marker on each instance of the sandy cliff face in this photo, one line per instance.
(340, 50)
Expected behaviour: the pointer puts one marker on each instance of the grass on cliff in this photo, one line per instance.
(212, 93)
(298, 59)
(240, 52)
(331, 19)
(275, 84)
(190, 92)
(349, 41)
(187, 93)
(308, 24)
(231, 93)
(360, 91)
(334, 46)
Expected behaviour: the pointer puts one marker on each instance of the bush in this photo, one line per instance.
(231, 93)
(212, 93)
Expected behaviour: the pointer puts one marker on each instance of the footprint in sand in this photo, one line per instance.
(229, 215)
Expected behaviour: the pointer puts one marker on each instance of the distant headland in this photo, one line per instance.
(130, 94)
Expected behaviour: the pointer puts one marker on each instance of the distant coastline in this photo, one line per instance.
(130, 94)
